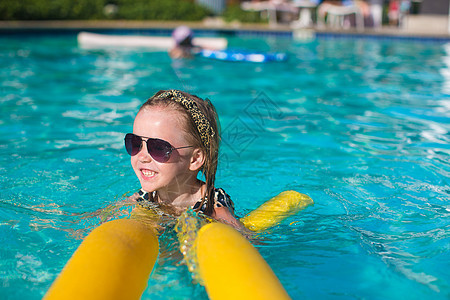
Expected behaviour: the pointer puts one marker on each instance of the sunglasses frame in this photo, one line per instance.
(167, 154)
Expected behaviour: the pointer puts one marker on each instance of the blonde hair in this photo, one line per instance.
(196, 134)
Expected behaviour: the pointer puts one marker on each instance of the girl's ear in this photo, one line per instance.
(197, 159)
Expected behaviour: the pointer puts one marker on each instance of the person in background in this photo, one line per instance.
(183, 48)
(398, 9)
(393, 13)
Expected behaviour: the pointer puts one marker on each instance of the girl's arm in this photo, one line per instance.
(224, 215)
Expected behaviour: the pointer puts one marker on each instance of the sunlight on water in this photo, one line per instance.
(361, 126)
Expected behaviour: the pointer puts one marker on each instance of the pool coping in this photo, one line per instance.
(55, 26)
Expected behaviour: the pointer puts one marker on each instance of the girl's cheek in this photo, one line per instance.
(134, 163)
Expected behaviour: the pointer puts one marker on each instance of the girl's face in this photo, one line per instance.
(181, 169)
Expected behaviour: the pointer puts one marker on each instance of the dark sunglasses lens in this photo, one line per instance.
(160, 150)
(133, 144)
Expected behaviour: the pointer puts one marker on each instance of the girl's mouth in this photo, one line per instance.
(147, 174)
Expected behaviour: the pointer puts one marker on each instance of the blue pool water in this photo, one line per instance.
(360, 125)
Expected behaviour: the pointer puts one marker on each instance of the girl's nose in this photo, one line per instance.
(143, 155)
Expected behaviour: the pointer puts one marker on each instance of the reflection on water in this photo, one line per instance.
(445, 70)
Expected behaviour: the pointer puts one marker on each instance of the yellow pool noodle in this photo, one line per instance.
(275, 210)
(231, 268)
(113, 262)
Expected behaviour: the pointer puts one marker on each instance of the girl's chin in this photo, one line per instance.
(148, 187)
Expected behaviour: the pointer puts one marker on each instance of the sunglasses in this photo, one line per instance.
(158, 149)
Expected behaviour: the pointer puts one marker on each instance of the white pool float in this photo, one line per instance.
(95, 40)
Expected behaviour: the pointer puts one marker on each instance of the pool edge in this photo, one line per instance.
(61, 27)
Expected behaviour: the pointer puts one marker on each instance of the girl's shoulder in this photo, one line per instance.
(221, 199)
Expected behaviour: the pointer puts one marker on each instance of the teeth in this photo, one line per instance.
(148, 173)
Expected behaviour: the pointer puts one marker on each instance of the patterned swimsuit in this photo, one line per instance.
(221, 199)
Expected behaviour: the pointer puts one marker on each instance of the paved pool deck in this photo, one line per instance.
(428, 27)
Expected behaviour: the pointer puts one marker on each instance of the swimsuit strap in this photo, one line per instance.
(221, 199)
(143, 196)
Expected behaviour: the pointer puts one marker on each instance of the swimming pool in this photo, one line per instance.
(360, 125)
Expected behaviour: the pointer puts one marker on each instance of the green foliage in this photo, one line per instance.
(51, 9)
(234, 12)
(160, 10)
(93, 9)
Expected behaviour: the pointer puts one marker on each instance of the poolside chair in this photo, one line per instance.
(306, 10)
(272, 9)
(336, 15)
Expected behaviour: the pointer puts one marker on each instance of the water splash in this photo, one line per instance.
(187, 228)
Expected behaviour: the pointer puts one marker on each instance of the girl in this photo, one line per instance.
(175, 135)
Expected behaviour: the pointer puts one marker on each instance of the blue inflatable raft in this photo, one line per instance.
(243, 56)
